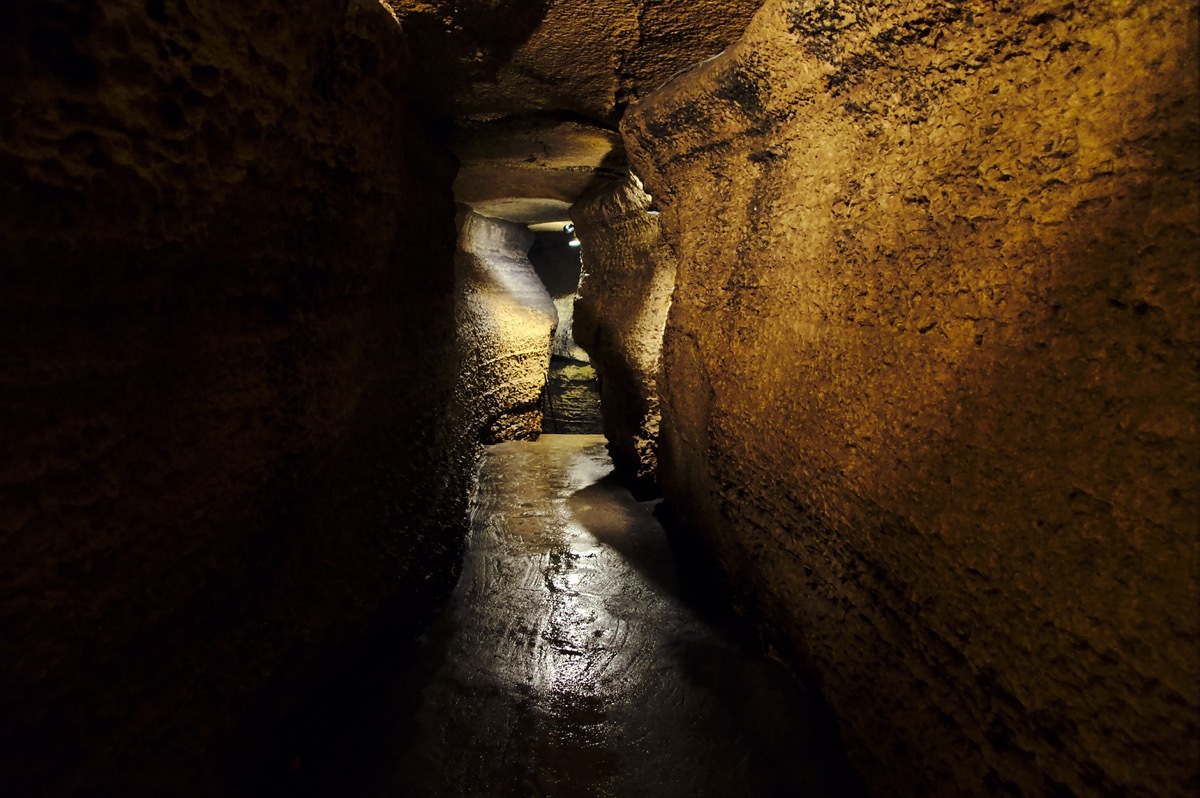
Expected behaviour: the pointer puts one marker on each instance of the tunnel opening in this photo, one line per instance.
(906, 339)
(572, 397)
(528, 170)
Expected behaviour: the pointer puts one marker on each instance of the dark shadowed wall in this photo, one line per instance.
(227, 356)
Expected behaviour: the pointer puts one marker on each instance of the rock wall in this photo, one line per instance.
(488, 58)
(509, 321)
(930, 385)
(629, 271)
(226, 330)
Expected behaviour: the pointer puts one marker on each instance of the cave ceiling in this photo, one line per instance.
(534, 89)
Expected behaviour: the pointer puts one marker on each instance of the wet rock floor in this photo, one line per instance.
(567, 663)
(572, 399)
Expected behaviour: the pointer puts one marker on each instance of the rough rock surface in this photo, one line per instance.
(530, 169)
(930, 384)
(510, 322)
(629, 272)
(226, 289)
(572, 405)
(535, 87)
(485, 59)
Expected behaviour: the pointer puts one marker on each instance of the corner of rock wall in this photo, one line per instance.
(929, 374)
(507, 321)
(624, 294)
(227, 329)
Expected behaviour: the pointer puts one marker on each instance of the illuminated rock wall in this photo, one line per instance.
(930, 385)
(507, 320)
(629, 272)
(227, 345)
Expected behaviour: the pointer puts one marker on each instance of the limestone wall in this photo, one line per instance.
(930, 384)
(227, 345)
(485, 59)
(507, 319)
(629, 272)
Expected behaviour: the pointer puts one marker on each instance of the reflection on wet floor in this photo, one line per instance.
(569, 666)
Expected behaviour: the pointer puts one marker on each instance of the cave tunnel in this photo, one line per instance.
(853, 452)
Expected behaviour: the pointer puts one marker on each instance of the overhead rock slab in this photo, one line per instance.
(530, 169)
(536, 87)
(485, 59)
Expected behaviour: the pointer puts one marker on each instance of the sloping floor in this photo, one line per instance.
(567, 663)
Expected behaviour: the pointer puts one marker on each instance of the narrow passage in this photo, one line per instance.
(567, 663)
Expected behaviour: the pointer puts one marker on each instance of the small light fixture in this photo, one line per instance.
(569, 227)
(574, 242)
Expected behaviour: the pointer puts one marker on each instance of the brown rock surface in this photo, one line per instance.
(629, 272)
(530, 169)
(536, 86)
(509, 321)
(227, 344)
(237, 416)
(930, 384)
(485, 59)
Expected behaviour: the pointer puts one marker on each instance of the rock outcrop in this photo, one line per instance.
(530, 169)
(227, 336)
(930, 385)
(629, 271)
(508, 322)
(488, 59)
(536, 87)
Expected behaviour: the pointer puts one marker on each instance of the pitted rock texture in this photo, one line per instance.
(486, 59)
(629, 272)
(530, 169)
(930, 383)
(508, 320)
(572, 405)
(534, 88)
(226, 289)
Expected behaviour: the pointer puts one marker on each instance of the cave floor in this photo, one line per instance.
(572, 399)
(567, 662)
